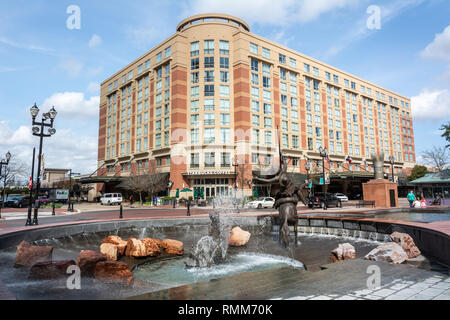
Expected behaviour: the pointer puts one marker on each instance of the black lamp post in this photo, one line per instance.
(323, 153)
(38, 130)
(4, 163)
(391, 160)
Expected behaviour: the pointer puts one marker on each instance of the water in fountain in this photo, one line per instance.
(212, 249)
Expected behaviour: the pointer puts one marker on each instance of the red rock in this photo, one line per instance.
(87, 260)
(28, 254)
(239, 237)
(151, 246)
(135, 248)
(50, 270)
(344, 251)
(113, 272)
(173, 246)
(388, 252)
(407, 244)
(110, 251)
(118, 241)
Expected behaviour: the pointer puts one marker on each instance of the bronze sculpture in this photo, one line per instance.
(286, 200)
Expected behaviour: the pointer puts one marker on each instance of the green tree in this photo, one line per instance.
(446, 133)
(417, 172)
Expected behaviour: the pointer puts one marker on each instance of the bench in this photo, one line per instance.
(364, 203)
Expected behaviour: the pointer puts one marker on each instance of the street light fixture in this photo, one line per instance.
(323, 153)
(4, 163)
(392, 160)
(38, 130)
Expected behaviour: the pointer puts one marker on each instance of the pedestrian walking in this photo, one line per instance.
(188, 205)
(411, 197)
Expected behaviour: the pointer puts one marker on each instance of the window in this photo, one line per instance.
(159, 57)
(267, 109)
(266, 82)
(195, 64)
(254, 65)
(255, 120)
(195, 120)
(194, 78)
(209, 62)
(327, 75)
(224, 119)
(224, 91)
(295, 143)
(224, 63)
(282, 58)
(195, 160)
(194, 92)
(167, 52)
(224, 76)
(209, 90)
(315, 71)
(268, 138)
(195, 49)
(255, 79)
(253, 48)
(225, 135)
(282, 74)
(209, 104)
(209, 119)
(306, 67)
(255, 92)
(255, 106)
(224, 105)
(225, 159)
(209, 47)
(209, 135)
(158, 140)
(292, 63)
(266, 53)
(265, 68)
(335, 78)
(267, 95)
(224, 47)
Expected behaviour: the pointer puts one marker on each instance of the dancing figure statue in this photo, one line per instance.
(286, 200)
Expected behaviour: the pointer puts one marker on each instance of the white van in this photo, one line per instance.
(111, 198)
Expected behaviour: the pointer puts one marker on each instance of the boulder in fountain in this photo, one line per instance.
(113, 272)
(173, 246)
(407, 244)
(118, 241)
(388, 252)
(50, 270)
(111, 251)
(239, 237)
(152, 246)
(86, 261)
(344, 251)
(28, 254)
(135, 248)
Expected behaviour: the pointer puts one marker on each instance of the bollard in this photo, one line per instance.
(121, 209)
(53, 208)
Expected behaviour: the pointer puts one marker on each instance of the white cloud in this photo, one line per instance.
(71, 66)
(282, 12)
(439, 49)
(96, 40)
(73, 105)
(25, 46)
(431, 105)
(66, 149)
(93, 87)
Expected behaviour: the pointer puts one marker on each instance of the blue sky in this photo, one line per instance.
(43, 61)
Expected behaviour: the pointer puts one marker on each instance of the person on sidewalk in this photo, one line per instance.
(411, 197)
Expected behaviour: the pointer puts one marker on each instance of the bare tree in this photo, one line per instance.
(437, 157)
(147, 181)
(14, 172)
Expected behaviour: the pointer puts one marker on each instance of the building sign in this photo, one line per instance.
(206, 173)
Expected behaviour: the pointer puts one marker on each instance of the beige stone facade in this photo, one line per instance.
(213, 95)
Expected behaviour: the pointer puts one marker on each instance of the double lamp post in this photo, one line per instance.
(38, 130)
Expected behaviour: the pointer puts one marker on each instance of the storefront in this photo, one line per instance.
(210, 184)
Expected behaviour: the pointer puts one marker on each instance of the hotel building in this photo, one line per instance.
(203, 107)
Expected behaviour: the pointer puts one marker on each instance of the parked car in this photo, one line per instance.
(17, 201)
(324, 200)
(111, 198)
(43, 200)
(263, 202)
(341, 197)
(354, 196)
